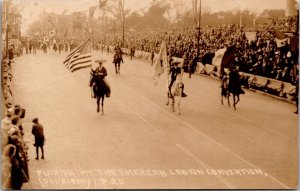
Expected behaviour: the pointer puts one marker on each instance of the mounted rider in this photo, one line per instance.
(235, 85)
(101, 73)
(175, 71)
(118, 59)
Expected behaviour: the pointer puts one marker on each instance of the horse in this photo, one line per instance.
(99, 88)
(176, 94)
(117, 61)
(232, 85)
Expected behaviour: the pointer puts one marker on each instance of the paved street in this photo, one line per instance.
(140, 143)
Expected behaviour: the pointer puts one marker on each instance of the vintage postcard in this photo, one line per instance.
(149, 94)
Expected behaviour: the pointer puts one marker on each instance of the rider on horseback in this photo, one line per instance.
(173, 73)
(234, 77)
(117, 60)
(101, 72)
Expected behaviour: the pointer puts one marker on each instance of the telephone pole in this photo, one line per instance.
(123, 19)
(199, 32)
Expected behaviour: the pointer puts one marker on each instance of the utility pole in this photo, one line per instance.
(123, 18)
(6, 29)
(114, 31)
(92, 30)
(199, 32)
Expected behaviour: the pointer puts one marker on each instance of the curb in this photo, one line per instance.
(254, 90)
(250, 89)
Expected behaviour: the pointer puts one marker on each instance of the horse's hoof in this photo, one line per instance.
(167, 103)
(178, 113)
(98, 110)
(102, 113)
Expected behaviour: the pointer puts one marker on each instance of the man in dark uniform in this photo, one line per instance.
(101, 72)
(38, 132)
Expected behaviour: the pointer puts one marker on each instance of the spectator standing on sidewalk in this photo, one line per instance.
(38, 132)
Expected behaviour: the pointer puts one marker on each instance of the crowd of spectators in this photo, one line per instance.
(259, 56)
(14, 149)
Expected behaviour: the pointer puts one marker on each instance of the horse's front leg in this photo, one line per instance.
(102, 101)
(221, 98)
(116, 67)
(168, 97)
(98, 102)
(173, 103)
(238, 99)
(178, 104)
(119, 67)
(234, 103)
(228, 96)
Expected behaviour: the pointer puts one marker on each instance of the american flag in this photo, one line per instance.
(80, 57)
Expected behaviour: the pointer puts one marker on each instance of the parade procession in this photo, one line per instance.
(149, 94)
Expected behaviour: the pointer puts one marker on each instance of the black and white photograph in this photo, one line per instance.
(149, 94)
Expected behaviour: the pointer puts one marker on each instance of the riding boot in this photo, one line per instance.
(108, 92)
(108, 87)
(242, 91)
(183, 94)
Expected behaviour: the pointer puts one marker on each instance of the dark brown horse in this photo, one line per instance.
(99, 89)
(232, 84)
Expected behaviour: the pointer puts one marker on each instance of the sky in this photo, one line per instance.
(33, 8)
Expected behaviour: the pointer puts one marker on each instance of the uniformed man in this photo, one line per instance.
(101, 73)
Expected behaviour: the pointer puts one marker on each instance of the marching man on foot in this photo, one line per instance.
(38, 132)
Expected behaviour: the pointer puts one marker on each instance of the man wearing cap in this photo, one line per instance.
(101, 72)
(38, 132)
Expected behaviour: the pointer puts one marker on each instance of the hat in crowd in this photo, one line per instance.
(35, 120)
(10, 110)
(17, 106)
(8, 105)
(97, 59)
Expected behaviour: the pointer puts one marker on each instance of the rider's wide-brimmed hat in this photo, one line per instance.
(176, 63)
(100, 61)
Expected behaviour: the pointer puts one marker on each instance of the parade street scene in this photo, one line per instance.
(149, 94)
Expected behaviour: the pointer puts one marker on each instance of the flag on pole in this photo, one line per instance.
(161, 61)
(92, 11)
(224, 57)
(80, 57)
(281, 39)
(101, 5)
(217, 60)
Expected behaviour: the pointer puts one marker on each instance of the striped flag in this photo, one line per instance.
(224, 57)
(80, 57)
(161, 61)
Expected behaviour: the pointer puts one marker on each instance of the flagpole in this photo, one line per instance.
(123, 23)
(7, 29)
(92, 39)
(199, 27)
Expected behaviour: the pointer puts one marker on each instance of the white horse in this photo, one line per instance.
(176, 93)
